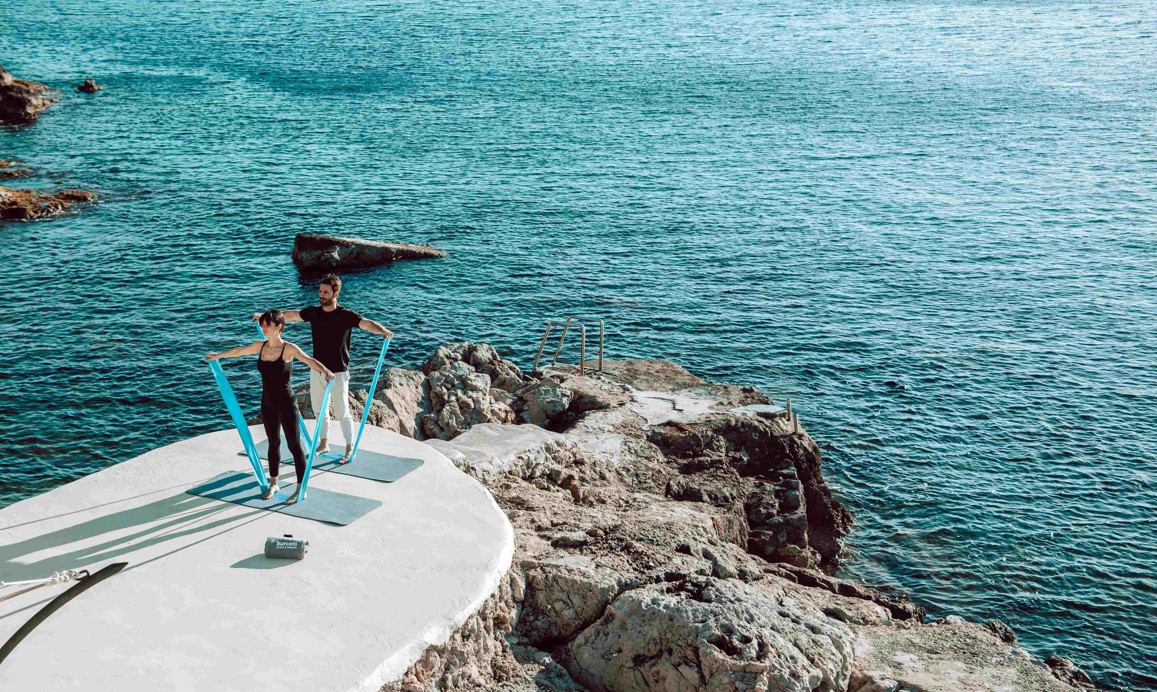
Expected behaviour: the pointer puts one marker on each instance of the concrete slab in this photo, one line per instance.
(199, 606)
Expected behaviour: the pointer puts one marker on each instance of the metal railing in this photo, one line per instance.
(572, 321)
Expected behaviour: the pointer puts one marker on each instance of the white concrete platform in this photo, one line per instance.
(200, 607)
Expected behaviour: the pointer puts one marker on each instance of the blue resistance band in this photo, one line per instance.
(313, 447)
(365, 412)
(369, 399)
(239, 420)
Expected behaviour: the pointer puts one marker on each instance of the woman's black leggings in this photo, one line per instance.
(280, 412)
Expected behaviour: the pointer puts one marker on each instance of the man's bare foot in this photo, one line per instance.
(349, 450)
(323, 446)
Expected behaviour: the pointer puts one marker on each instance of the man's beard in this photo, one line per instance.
(326, 302)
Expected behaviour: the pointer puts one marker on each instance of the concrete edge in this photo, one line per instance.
(438, 633)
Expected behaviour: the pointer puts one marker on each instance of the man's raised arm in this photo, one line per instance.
(373, 328)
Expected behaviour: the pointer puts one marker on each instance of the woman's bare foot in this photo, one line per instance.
(268, 495)
(323, 447)
(349, 450)
(293, 498)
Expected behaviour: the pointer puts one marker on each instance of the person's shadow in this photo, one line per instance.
(171, 517)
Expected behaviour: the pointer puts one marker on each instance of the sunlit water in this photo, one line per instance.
(929, 224)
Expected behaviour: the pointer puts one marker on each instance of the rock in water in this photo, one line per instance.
(327, 253)
(28, 205)
(13, 169)
(20, 100)
(89, 87)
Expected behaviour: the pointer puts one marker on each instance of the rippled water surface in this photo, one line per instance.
(930, 224)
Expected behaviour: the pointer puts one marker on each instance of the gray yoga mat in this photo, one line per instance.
(240, 487)
(366, 464)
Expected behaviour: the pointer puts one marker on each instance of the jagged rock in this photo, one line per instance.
(544, 401)
(89, 86)
(1002, 631)
(731, 457)
(1067, 672)
(564, 595)
(313, 251)
(711, 634)
(29, 205)
(461, 377)
(20, 100)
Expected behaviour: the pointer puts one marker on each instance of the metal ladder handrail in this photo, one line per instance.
(566, 325)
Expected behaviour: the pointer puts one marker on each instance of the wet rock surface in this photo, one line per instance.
(317, 252)
(21, 101)
(675, 538)
(31, 205)
(10, 169)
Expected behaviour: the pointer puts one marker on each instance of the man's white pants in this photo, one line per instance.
(339, 402)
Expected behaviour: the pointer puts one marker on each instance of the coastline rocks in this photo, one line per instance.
(89, 86)
(659, 538)
(20, 100)
(1067, 672)
(316, 252)
(29, 205)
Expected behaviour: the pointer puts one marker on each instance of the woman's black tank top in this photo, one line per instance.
(274, 375)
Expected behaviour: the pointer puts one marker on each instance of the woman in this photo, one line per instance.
(275, 363)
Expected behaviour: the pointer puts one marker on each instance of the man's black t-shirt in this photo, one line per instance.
(331, 335)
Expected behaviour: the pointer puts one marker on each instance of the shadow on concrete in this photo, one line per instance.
(259, 561)
(92, 507)
(169, 518)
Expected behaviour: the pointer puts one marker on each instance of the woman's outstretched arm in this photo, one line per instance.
(250, 350)
(295, 352)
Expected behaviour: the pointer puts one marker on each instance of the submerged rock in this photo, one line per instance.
(13, 169)
(29, 205)
(20, 100)
(313, 251)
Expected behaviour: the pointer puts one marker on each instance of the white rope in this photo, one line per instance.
(56, 578)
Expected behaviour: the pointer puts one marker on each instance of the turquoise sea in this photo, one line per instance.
(930, 224)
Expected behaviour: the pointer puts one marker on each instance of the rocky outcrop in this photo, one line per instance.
(468, 385)
(29, 205)
(316, 252)
(89, 86)
(1067, 672)
(668, 538)
(10, 169)
(20, 100)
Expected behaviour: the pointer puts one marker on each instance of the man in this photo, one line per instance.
(331, 324)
